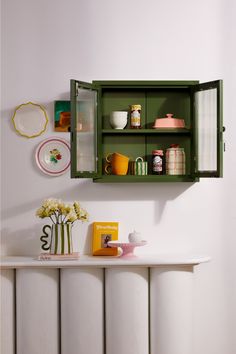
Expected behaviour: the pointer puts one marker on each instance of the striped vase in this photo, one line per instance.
(61, 239)
(139, 167)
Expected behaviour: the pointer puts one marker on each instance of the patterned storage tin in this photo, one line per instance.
(175, 160)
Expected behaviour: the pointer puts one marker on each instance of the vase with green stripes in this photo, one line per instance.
(57, 238)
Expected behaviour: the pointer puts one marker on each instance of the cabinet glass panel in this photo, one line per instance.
(86, 144)
(206, 114)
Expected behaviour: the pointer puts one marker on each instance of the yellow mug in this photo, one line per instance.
(117, 164)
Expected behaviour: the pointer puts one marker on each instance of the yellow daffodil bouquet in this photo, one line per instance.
(60, 212)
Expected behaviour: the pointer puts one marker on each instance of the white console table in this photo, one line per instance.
(98, 305)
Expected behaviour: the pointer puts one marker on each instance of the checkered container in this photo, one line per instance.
(175, 160)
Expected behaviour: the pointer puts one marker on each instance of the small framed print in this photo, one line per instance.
(62, 116)
(103, 232)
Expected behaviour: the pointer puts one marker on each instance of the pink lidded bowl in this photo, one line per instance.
(169, 122)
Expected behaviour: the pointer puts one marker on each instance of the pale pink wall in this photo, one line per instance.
(44, 45)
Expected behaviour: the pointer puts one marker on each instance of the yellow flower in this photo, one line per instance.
(60, 212)
(41, 213)
(83, 215)
(71, 217)
(65, 209)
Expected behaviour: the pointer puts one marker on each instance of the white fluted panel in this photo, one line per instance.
(171, 310)
(82, 312)
(7, 306)
(37, 311)
(126, 310)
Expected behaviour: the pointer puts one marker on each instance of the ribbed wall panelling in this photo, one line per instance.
(7, 333)
(171, 310)
(82, 311)
(127, 310)
(94, 310)
(37, 315)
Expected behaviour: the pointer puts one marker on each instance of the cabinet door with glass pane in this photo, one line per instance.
(84, 152)
(208, 129)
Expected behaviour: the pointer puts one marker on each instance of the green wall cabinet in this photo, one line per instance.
(92, 138)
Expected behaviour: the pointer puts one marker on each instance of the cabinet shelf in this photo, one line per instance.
(147, 179)
(147, 131)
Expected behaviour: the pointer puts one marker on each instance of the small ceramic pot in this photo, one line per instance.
(139, 167)
(135, 237)
(118, 119)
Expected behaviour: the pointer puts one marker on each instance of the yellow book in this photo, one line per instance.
(103, 232)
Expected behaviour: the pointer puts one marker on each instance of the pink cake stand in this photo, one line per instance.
(127, 247)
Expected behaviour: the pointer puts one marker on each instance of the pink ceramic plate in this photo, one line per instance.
(53, 156)
(127, 247)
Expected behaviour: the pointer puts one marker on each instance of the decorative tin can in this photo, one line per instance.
(157, 162)
(139, 167)
(175, 160)
(135, 116)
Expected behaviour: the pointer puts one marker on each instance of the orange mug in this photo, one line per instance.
(117, 164)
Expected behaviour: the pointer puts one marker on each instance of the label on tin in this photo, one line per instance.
(135, 118)
(157, 164)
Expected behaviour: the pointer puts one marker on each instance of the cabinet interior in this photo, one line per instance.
(156, 103)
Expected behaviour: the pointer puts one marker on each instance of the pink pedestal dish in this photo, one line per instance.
(127, 247)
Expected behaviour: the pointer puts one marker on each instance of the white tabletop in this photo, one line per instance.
(150, 260)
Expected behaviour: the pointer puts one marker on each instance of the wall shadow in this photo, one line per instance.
(23, 241)
(86, 190)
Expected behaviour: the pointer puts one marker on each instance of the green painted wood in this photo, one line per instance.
(221, 128)
(161, 131)
(99, 132)
(73, 127)
(144, 179)
(146, 83)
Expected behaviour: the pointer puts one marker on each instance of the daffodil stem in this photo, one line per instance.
(52, 219)
(64, 219)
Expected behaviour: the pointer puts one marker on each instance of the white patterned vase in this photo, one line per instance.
(58, 238)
